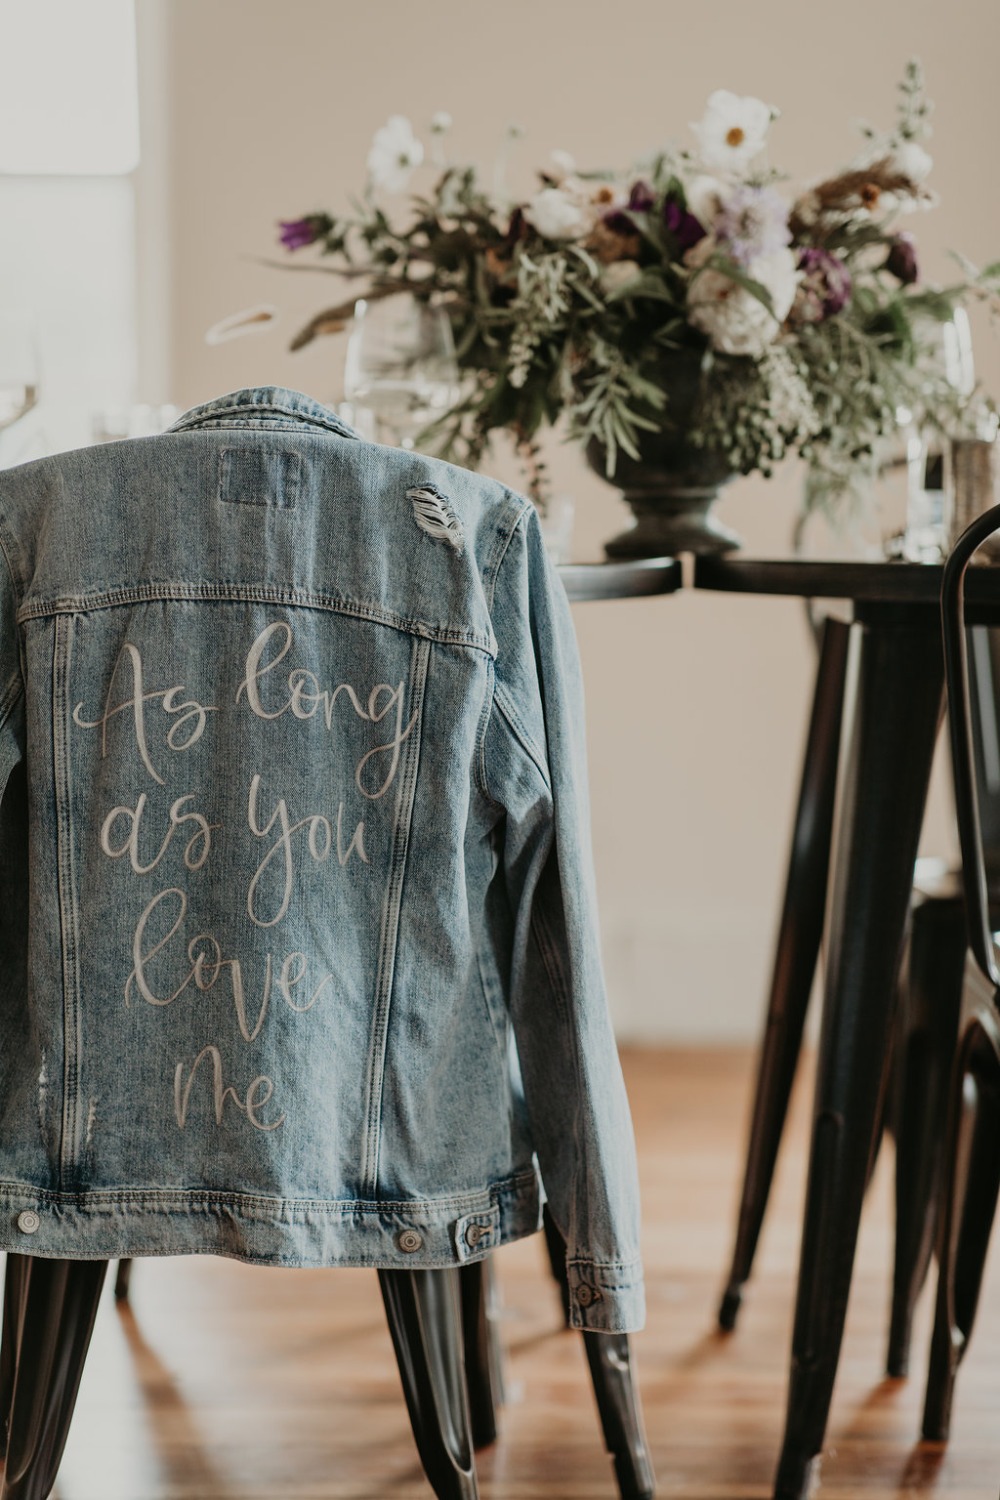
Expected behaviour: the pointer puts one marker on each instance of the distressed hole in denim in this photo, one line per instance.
(258, 476)
(433, 514)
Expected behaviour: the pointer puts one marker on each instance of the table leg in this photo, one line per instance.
(898, 709)
(799, 935)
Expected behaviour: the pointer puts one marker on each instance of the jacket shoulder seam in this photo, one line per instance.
(498, 698)
(493, 570)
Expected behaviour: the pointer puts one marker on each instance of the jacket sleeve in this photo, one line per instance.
(11, 682)
(535, 770)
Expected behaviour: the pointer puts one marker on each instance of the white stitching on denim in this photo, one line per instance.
(303, 703)
(134, 816)
(259, 1093)
(206, 965)
(189, 709)
(321, 841)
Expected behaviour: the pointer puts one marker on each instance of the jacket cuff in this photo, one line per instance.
(606, 1299)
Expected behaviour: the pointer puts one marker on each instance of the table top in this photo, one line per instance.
(864, 582)
(887, 582)
(621, 580)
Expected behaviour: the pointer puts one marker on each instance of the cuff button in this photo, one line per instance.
(409, 1240)
(586, 1294)
(28, 1221)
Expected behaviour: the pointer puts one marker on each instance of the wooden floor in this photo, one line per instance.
(229, 1383)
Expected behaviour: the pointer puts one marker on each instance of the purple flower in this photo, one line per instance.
(640, 200)
(297, 233)
(753, 223)
(901, 261)
(824, 285)
(685, 228)
(518, 229)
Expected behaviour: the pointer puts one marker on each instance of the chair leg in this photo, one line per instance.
(926, 1038)
(424, 1312)
(483, 1354)
(799, 937)
(122, 1280)
(555, 1247)
(60, 1305)
(974, 1183)
(609, 1357)
(617, 1394)
(15, 1287)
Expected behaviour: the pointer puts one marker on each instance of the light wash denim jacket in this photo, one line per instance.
(296, 864)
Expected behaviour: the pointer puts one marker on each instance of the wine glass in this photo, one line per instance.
(929, 497)
(401, 374)
(18, 366)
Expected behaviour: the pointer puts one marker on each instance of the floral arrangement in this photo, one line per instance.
(802, 316)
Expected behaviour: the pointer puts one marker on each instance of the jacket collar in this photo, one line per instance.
(264, 406)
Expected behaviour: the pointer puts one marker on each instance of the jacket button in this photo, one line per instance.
(28, 1221)
(587, 1294)
(409, 1240)
(474, 1234)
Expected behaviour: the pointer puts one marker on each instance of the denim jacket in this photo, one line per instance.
(298, 941)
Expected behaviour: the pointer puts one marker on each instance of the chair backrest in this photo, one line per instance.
(964, 739)
(984, 689)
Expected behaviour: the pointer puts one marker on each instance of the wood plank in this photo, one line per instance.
(226, 1382)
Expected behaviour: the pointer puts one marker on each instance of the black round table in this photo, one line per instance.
(896, 700)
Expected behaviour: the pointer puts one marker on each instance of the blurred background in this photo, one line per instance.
(147, 152)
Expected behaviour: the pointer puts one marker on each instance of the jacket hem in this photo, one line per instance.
(405, 1234)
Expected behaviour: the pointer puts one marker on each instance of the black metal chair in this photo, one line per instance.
(972, 1153)
(443, 1333)
(930, 988)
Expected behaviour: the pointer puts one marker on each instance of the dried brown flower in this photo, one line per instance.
(497, 264)
(607, 244)
(861, 187)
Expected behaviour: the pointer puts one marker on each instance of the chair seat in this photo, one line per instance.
(937, 880)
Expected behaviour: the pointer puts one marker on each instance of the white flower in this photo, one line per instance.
(563, 165)
(557, 215)
(441, 122)
(733, 319)
(732, 130)
(617, 273)
(912, 161)
(704, 196)
(395, 151)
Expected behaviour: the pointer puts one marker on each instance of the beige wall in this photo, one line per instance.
(697, 704)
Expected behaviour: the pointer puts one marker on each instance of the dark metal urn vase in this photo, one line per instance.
(672, 486)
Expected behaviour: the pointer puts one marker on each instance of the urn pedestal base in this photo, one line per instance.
(669, 524)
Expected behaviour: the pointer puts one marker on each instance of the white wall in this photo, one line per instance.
(697, 703)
